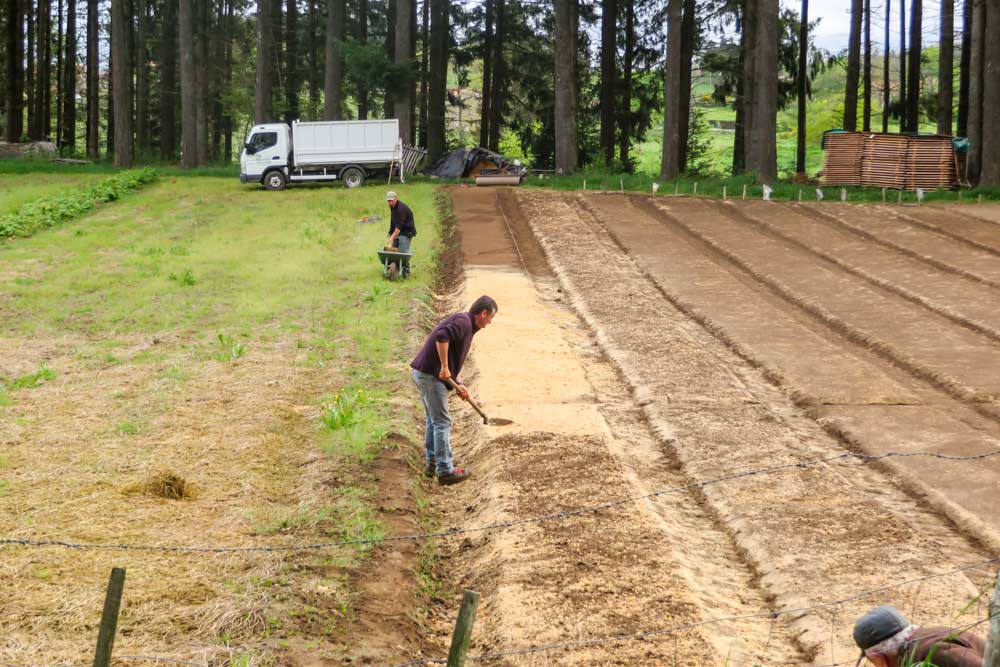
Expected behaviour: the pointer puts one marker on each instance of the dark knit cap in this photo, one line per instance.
(878, 625)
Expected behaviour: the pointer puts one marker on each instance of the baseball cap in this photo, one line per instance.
(878, 625)
(390, 195)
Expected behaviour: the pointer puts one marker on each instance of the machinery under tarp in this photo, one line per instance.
(475, 162)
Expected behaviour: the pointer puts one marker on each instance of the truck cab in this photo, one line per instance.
(264, 158)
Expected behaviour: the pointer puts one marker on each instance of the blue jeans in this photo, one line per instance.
(437, 428)
(403, 243)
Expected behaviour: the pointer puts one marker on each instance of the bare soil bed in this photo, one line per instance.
(651, 344)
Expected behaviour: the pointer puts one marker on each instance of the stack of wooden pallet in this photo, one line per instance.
(889, 161)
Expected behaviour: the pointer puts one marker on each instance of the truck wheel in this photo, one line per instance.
(274, 180)
(353, 177)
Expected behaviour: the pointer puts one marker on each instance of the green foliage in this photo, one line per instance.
(231, 349)
(54, 210)
(29, 380)
(344, 411)
(185, 278)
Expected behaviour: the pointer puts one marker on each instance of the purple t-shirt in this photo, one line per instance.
(457, 330)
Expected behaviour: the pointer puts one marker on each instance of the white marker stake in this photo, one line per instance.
(767, 193)
(677, 185)
(899, 198)
(800, 195)
(744, 191)
(621, 185)
(883, 195)
(819, 195)
(696, 187)
(723, 193)
(585, 185)
(656, 186)
(920, 195)
(843, 194)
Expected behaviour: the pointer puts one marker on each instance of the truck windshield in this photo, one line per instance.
(262, 140)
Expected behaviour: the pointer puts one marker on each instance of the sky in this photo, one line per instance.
(834, 28)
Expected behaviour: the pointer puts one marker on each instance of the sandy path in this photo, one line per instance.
(814, 536)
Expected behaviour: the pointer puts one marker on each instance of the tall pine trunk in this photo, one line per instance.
(963, 70)
(202, 32)
(168, 82)
(122, 72)
(402, 101)
(853, 68)
(189, 112)
(59, 67)
(93, 82)
(913, 73)
(69, 79)
(670, 165)
(14, 77)
(388, 101)
(315, 79)
(363, 92)
(141, 78)
(498, 85)
(29, 71)
(625, 106)
(885, 69)
(263, 105)
(803, 79)
(609, 71)
(763, 155)
(487, 56)
(425, 26)
(866, 73)
(438, 79)
(902, 65)
(752, 8)
(946, 67)
(293, 56)
(566, 157)
(990, 170)
(688, 28)
(43, 77)
(333, 83)
(977, 59)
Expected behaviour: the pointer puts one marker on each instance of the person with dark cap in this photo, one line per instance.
(887, 639)
(440, 359)
(402, 229)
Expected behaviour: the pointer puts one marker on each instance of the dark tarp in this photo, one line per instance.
(460, 162)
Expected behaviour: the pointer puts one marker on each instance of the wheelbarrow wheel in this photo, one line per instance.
(393, 272)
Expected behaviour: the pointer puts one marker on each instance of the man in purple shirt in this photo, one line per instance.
(440, 359)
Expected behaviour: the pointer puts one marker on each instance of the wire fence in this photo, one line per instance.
(863, 459)
(585, 643)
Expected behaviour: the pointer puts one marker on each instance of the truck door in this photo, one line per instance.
(264, 151)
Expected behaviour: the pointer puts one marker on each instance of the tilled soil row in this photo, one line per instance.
(817, 535)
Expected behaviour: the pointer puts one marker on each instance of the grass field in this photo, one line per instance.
(18, 189)
(200, 363)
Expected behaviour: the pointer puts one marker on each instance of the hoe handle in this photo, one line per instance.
(471, 402)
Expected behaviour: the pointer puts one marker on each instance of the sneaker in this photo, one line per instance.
(457, 475)
(430, 469)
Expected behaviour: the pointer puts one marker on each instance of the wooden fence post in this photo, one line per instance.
(463, 629)
(992, 657)
(109, 618)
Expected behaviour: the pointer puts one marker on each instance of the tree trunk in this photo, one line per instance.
(404, 17)
(763, 158)
(438, 79)
(866, 74)
(415, 71)
(227, 119)
(625, 106)
(14, 56)
(425, 21)
(189, 112)
(670, 166)
(59, 67)
(263, 106)
(609, 71)
(751, 9)
(977, 59)
(913, 75)
(803, 80)
(902, 65)
(43, 76)
(487, 56)
(946, 67)
(121, 71)
(388, 101)
(111, 98)
(990, 171)
(29, 71)
(334, 80)
(498, 85)
(69, 81)
(363, 94)
(963, 69)
(168, 82)
(141, 78)
(93, 82)
(853, 68)
(565, 88)
(315, 80)
(201, 37)
(293, 54)
(687, 57)
(885, 69)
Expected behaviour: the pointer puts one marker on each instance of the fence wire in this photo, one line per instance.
(585, 643)
(500, 525)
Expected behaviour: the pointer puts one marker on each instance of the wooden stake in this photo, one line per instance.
(992, 656)
(723, 193)
(463, 629)
(677, 185)
(109, 618)
(899, 198)
(621, 185)
(585, 185)
(883, 195)
(696, 187)
(800, 195)
(744, 191)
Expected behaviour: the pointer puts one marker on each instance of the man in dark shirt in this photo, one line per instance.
(440, 359)
(402, 229)
(886, 639)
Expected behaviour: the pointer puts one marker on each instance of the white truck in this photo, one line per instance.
(350, 151)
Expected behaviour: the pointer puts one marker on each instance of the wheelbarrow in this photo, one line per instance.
(392, 262)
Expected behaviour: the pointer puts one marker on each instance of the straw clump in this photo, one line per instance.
(164, 484)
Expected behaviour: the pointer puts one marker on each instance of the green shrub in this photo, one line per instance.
(51, 211)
